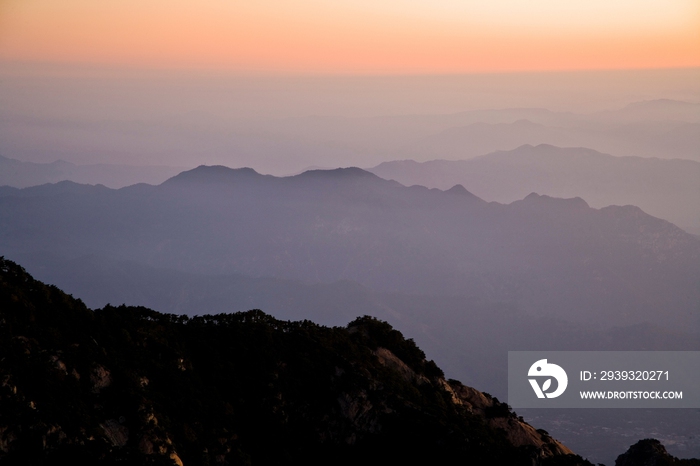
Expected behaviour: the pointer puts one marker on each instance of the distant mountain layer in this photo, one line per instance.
(135, 386)
(547, 256)
(657, 128)
(24, 174)
(666, 139)
(654, 110)
(667, 189)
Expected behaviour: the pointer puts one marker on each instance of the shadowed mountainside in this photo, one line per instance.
(650, 452)
(133, 385)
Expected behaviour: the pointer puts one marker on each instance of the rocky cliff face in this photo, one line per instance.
(495, 414)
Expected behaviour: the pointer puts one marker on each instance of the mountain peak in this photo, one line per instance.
(647, 451)
(529, 148)
(541, 199)
(460, 190)
(338, 173)
(349, 176)
(213, 174)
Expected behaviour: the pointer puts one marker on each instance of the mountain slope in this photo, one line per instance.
(133, 385)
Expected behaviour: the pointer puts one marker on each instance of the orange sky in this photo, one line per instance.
(358, 36)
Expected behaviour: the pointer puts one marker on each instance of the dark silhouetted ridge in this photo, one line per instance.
(650, 452)
(133, 386)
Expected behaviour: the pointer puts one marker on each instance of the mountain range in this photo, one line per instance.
(650, 139)
(20, 174)
(621, 264)
(136, 134)
(662, 128)
(660, 187)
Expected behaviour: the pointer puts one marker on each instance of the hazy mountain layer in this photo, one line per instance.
(47, 125)
(662, 188)
(662, 129)
(24, 174)
(556, 257)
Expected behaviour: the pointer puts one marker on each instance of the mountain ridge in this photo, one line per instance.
(661, 187)
(352, 225)
(22, 174)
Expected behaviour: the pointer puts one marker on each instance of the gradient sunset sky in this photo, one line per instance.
(358, 36)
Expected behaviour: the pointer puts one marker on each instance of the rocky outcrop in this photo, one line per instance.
(389, 359)
(650, 452)
(496, 414)
(499, 416)
(100, 378)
